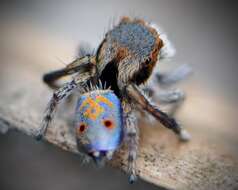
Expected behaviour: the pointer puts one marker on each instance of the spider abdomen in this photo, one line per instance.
(132, 47)
(135, 37)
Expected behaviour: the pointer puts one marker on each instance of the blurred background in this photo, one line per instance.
(49, 32)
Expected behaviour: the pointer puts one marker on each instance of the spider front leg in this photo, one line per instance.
(132, 138)
(136, 95)
(164, 96)
(180, 73)
(175, 97)
(57, 97)
(81, 65)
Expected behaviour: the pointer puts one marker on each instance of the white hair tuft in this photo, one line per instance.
(168, 50)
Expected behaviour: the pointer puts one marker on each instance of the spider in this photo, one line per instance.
(124, 61)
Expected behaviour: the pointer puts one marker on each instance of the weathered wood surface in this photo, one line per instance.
(209, 161)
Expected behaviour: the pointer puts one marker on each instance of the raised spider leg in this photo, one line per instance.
(170, 96)
(165, 96)
(79, 66)
(136, 95)
(132, 138)
(180, 73)
(57, 97)
(175, 97)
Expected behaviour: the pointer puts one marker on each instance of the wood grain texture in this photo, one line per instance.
(208, 161)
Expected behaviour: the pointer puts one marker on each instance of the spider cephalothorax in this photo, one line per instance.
(124, 60)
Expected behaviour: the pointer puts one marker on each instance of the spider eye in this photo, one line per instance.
(108, 124)
(148, 61)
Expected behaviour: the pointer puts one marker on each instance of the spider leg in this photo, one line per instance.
(80, 65)
(167, 79)
(85, 49)
(136, 95)
(165, 96)
(132, 139)
(57, 97)
(175, 97)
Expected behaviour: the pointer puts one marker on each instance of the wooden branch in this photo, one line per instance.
(209, 161)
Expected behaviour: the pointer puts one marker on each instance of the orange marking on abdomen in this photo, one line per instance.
(104, 100)
(94, 109)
